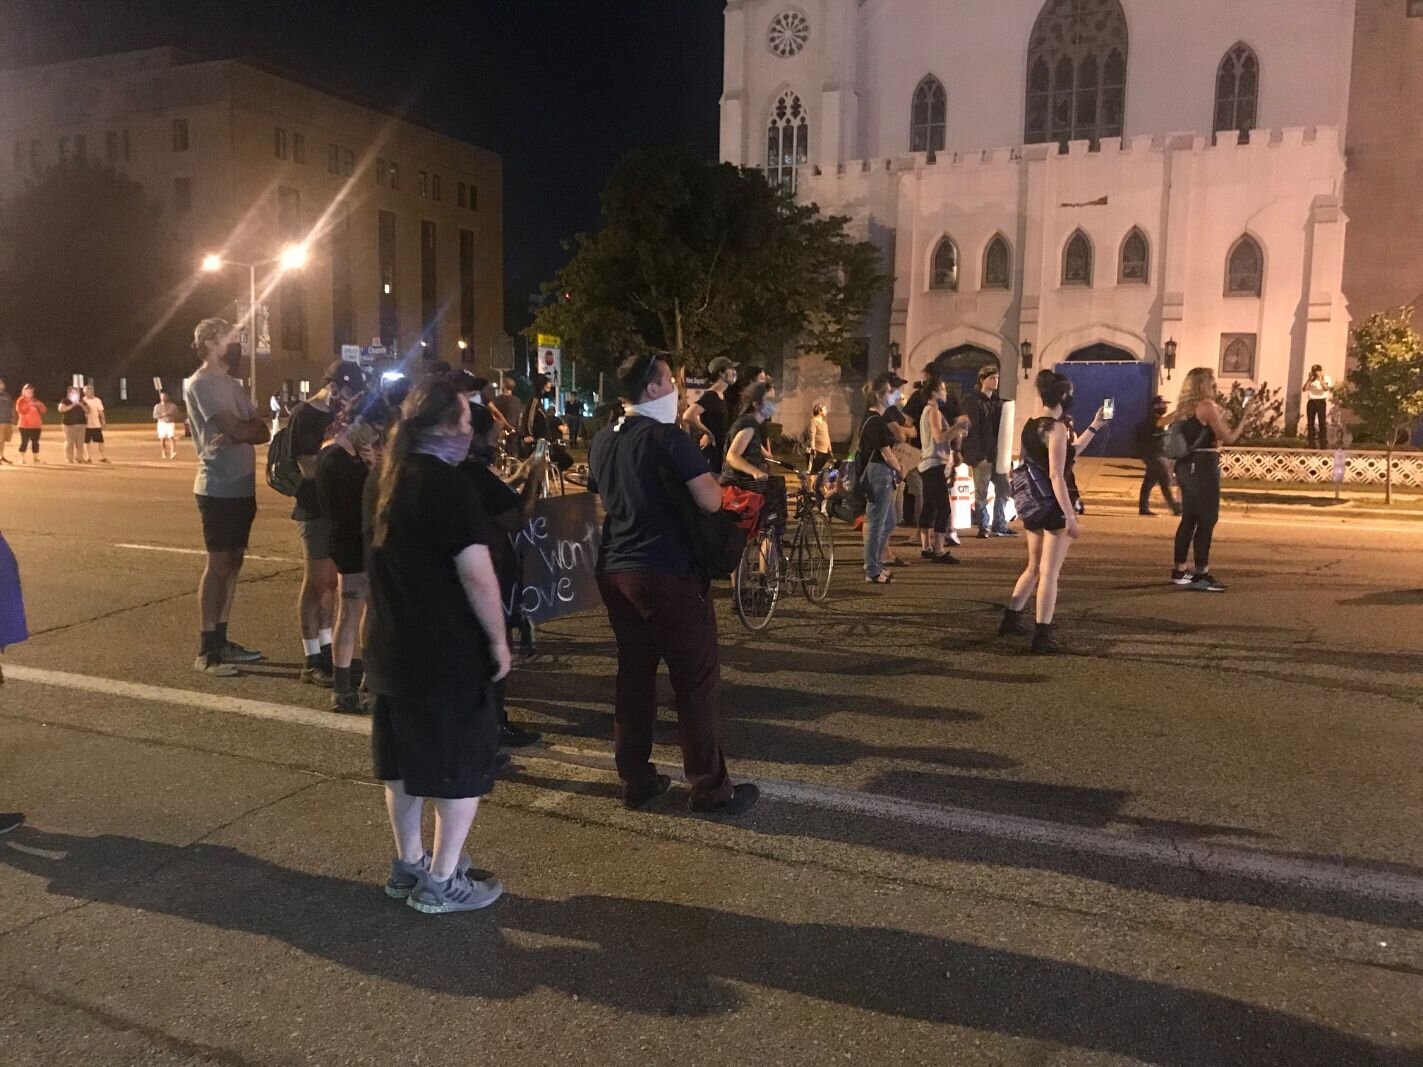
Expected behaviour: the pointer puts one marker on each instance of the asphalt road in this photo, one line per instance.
(1192, 841)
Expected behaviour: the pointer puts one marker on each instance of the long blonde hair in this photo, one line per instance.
(1198, 387)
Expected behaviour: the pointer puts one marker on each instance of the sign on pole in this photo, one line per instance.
(551, 362)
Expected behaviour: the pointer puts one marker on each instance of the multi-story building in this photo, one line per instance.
(1088, 183)
(403, 224)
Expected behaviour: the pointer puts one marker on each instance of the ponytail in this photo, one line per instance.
(432, 403)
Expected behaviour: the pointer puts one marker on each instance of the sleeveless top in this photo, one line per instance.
(1035, 433)
(934, 454)
(1199, 436)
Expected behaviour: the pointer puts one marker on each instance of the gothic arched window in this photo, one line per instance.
(1135, 260)
(944, 272)
(787, 141)
(1237, 91)
(997, 264)
(1077, 260)
(1077, 72)
(1245, 268)
(928, 116)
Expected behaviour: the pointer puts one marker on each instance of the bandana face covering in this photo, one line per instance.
(453, 448)
(663, 409)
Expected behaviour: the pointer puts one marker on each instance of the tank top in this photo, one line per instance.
(1034, 442)
(1199, 436)
(934, 453)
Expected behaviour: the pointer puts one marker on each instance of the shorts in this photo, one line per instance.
(348, 552)
(443, 745)
(1048, 523)
(315, 538)
(7, 430)
(167, 430)
(93, 437)
(227, 521)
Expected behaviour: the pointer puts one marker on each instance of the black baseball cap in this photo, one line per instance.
(346, 374)
(720, 364)
(890, 379)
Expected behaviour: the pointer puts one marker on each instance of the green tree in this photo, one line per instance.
(703, 259)
(91, 280)
(1384, 389)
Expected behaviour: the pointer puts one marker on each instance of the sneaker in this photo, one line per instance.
(10, 820)
(405, 876)
(1205, 583)
(924, 553)
(318, 676)
(743, 798)
(212, 665)
(1007, 531)
(947, 557)
(983, 534)
(511, 736)
(634, 801)
(348, 703)
(1145, 511)
(232, 652)
(1179, 577)
(953, 538)
(463, 892)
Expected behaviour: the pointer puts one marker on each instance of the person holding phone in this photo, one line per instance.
(74, 419)
(1198, 475)
(29, 413)
(1317, 391)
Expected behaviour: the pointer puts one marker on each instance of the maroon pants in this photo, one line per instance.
(658, 617)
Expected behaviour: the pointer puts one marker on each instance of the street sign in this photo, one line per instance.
(696, 385)
(551, 366)
(157, 385)
(549, 340)
(351, 352)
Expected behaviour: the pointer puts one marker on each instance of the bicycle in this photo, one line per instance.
(775, 565)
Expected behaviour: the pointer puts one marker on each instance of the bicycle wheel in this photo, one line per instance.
(757, 582)
(815, 557)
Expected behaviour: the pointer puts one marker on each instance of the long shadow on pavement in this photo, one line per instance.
(664, 959)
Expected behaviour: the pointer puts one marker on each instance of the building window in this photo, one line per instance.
(460, 197)
(467, 292)
(183, 195)
(385, 258)
(382, 178)
(22, 157)
(279, 142)
(435, 187)
(429, 285)
(333, 159)
(1237, 91)
(290, 295)
(928, 116)
(1077, 261)
(787, 142)
(343, 318)
(111, 146)
(180, 135)
(1245, 269)
(474, 198)
(63, 149)
(1415, 9)
(348, 163)
(944, 271)
(424, 185)
(81, 146)
(1135, 266)
(997, 264)
(299, 148)
(1077, 72)
(394, 169)
(1237, 355)
(788, 33)
(125, 146)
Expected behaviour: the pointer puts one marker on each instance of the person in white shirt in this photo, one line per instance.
(165, 414)
(820, 454)
(1317, 392)
(94, 422)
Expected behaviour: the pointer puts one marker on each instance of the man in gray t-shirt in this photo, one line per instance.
(225, 429)
(7, 419)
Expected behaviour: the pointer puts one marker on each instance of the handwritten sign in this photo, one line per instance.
(558, 550)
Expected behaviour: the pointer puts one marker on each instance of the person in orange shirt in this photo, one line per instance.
(30, 412)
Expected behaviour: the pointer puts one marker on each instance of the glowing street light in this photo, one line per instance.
(293, 257)
(212, 263)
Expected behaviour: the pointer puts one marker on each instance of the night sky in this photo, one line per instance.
(560, 88)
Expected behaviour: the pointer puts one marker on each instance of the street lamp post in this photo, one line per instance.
(293, 257)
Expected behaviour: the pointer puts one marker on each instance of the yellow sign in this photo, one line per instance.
(548, 340)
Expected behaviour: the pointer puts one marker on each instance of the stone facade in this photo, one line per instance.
(1162, 190)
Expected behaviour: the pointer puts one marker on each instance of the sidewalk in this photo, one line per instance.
(1111, 485)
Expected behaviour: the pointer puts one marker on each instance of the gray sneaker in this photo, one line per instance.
(405, 876)
(463, 892)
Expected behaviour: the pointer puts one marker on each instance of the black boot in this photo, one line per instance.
(1012, 623)
(1043, 641)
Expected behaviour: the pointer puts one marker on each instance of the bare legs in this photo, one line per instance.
(350, 606)
(1046, 551)
(453, 819)
(218, 587)
(315, 603)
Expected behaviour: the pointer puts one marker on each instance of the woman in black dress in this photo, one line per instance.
(435, 647)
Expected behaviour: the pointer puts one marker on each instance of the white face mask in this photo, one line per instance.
(663, 409)
(893, 399)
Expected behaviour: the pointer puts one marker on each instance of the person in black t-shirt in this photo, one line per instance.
(881, 472)
(310, 428)
(540, 423)
(435, 645)
(747, 464)
(659, 606)
(707, 416)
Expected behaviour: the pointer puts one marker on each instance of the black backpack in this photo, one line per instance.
(283, 473)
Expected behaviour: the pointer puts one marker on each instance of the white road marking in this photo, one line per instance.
(197, 552)
(1202, 857)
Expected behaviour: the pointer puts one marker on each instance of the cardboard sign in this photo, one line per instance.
(558, 550)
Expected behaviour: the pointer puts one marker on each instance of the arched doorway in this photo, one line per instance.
(959, 367)
(1101, 352)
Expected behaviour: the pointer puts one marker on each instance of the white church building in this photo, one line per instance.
(1105, 186)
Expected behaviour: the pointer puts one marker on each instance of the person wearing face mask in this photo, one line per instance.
(540, 423)
(311, 425)
(73, 418)
(747, 463)
(984, 408)
(435, 645)
(707, 416)
(1150, 436)
(659, 605)
(225, 425)
(881, 471)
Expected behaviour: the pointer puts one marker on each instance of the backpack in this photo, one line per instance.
(1174, 444)
(283, 473)
(852, 499)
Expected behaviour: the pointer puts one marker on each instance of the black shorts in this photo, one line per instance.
(348, 551)
(443, 745)
(1048, 524)
(93, 437)
(227, 521)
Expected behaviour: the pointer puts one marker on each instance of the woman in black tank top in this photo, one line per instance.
(1198, 475)
(1050, 445)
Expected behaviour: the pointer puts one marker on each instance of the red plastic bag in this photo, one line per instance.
(744, 504)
